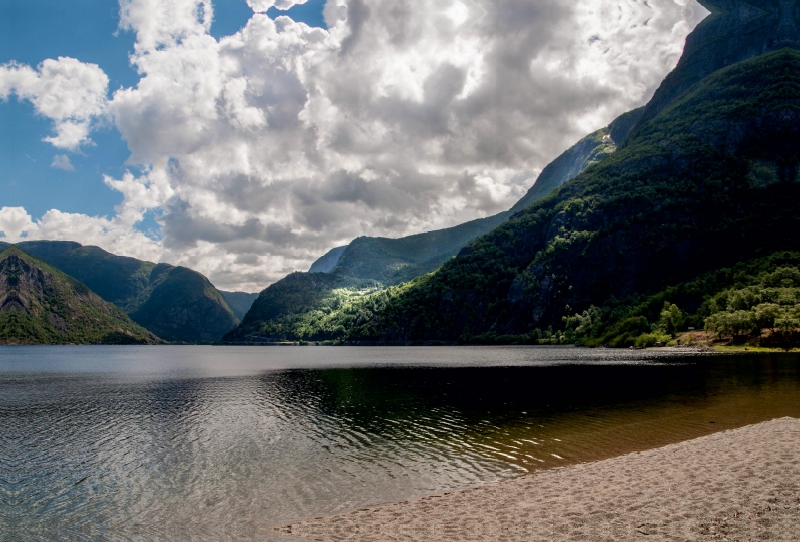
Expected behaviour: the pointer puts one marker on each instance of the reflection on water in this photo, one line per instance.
(223, 443)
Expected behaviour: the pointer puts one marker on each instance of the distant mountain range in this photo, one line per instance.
(41, 305)
(239, 302)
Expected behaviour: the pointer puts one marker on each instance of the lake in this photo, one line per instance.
(183, 442)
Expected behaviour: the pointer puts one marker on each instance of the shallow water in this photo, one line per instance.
(137, 443)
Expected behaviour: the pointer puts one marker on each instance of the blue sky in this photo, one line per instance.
(34, 30)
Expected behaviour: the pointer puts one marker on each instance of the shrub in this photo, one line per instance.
(647, 340)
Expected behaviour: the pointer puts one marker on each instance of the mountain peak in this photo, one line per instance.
(735, 31)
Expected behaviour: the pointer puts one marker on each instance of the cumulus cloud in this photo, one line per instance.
(266, 148)
(61, 161)
(70, 93)
(15, 223)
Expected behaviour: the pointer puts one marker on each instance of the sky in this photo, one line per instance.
(246, 138)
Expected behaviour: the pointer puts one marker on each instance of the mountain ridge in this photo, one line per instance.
(610, 234)
(41, 305)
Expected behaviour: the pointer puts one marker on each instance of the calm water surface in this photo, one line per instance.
(140, 443)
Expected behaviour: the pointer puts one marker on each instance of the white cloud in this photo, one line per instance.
(61, 161)
(260, 6)
(16, 223)
(266, 148)
(69, 92)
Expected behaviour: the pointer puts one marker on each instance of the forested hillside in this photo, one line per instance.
(708, 182)
(707, 178)
(41, 305)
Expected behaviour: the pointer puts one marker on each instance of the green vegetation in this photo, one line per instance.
(42, 305)
(757, 301)
(392, 261)
(708, 182)
(307, 306)
(175, 303)
(585, 153)
(297, 306)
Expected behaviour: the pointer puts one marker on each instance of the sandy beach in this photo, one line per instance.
(741, 484)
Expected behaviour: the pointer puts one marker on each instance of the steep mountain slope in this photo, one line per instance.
(175, 303)
(587, 152)
(396, 260)
(708, 177)
(371, 263)
(392, 261)
(41, 305)
(239, 302)
(708, 181)
(736, 30)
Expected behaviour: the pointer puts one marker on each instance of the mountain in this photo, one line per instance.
(586, 152)
(239, 302)
(397, 260)
(328, 261)
(392, 261)
(289, 307)
(175, 303)
(707, 178)
(736, 30)
(41, 305)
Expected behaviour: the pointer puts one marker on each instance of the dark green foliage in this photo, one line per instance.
(749, 286)
(289, 308)
(736, 30)
(705, 178)
(386, 262)
(42, 305)
(296, 303)
(175, 303)
(117, 279)
(181, 305)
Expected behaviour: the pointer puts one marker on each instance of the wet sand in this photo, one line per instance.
(740, 484)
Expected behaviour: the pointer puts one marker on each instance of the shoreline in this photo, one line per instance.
(734, 484)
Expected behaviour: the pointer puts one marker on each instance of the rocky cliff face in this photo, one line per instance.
(40, 305)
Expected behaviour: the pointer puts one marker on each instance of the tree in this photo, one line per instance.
(734, 324)
(671, 319)
(766, 315)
